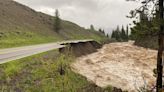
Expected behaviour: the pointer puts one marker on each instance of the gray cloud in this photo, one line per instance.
(105, 14)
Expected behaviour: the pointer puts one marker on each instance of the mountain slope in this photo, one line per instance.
(20, 25)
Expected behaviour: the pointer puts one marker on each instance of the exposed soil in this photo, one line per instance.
(122, 65)
(81, 48)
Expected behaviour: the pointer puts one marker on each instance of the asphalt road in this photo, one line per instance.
(11, 54)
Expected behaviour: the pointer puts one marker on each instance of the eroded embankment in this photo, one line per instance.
(122, 65)
(81, 48)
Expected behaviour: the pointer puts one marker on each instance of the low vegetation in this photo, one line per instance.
(23, 38)
(27, 27)
(19, 38)
(42, 73)
(46, 72)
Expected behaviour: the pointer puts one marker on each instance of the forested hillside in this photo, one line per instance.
(145, 31)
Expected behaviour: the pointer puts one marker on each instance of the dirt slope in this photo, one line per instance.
(122, 65)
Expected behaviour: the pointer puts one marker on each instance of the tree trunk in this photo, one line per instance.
(160, 50)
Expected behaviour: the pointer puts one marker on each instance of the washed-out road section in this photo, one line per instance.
(10, 54)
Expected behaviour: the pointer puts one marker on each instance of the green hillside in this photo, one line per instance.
(20, 25)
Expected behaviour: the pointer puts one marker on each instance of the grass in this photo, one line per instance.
(21, 25)
(42, 73)
(19, 38)
(22, 38)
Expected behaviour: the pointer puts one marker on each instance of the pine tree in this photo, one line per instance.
(160, 49)
(148, 27)
(57, 25)
(127, 32)
(103, 31)
(107, 35)
(118, 34)
(92, 28)
(113, 34)
(123, 34)
(100, 30)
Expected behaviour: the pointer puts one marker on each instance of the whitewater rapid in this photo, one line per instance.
(122, 65)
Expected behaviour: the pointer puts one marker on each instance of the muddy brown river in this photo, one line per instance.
(122, 65)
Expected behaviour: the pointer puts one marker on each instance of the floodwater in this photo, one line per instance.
(121, 65)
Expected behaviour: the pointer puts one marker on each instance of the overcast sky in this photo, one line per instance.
(105, 14)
